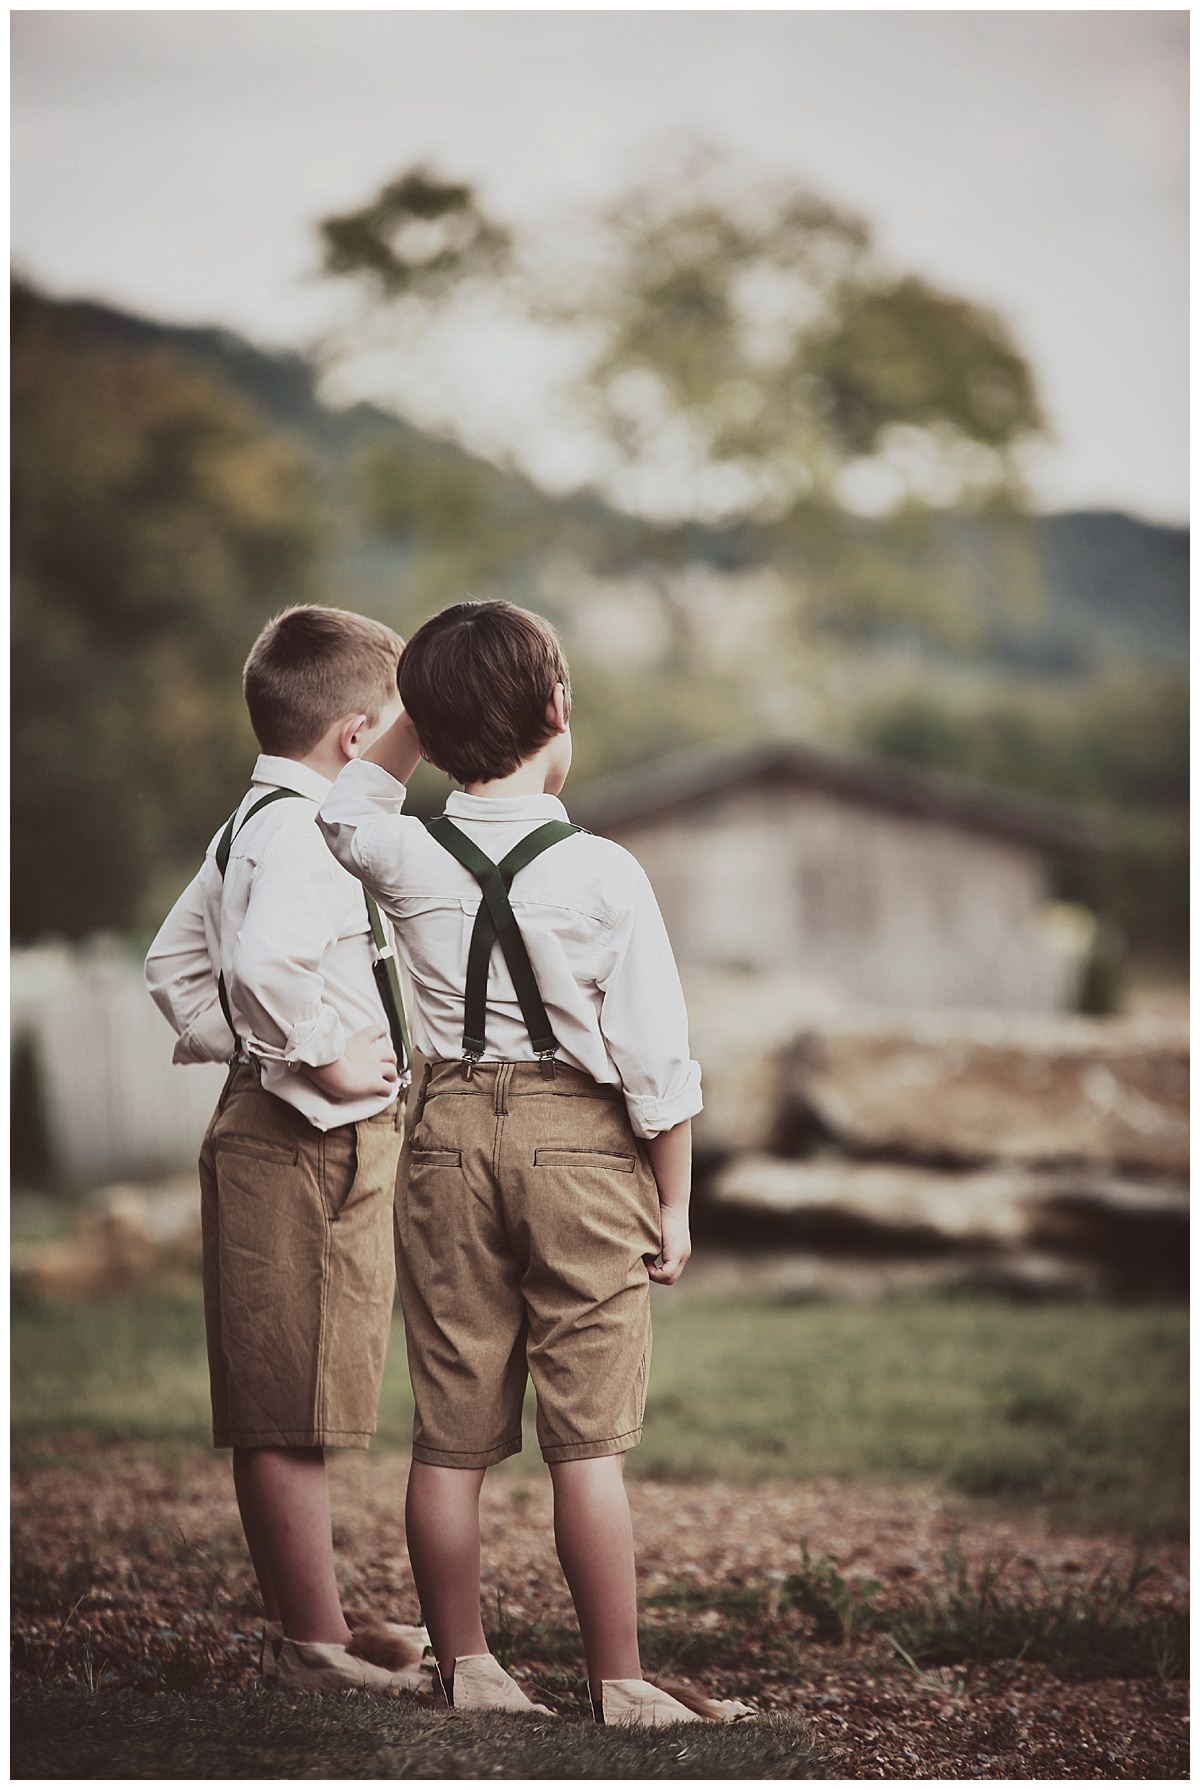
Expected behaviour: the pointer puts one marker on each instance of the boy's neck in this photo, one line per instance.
(529, 779)
(326, 762)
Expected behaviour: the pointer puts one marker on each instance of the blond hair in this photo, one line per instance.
(310, 666)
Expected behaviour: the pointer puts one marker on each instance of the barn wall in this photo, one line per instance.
(885, 908)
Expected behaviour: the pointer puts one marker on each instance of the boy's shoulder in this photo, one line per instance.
(284, 830)
(613, 874)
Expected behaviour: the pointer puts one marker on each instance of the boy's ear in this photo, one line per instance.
(556, 710)
(348, 731)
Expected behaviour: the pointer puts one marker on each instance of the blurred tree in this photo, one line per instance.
(154, 527)
(742, 356)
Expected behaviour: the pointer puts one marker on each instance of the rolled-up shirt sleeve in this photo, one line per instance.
(364, 826)
(643, 1018)
(276, 987)
(179, 977)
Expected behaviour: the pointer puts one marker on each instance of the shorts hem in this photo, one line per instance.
(465, 1458)
(310, 1438)
(555, 1452)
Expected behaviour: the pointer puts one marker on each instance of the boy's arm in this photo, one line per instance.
(294, 915)
(362, 817)
(644, 1019)
(644, 1022)
(180, 979)
(671, 1159)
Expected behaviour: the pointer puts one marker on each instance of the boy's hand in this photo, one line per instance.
(368, 1067)
(398, 750)
(672, 1259)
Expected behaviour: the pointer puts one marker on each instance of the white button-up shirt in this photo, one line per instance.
(590, 923)
(289, 929)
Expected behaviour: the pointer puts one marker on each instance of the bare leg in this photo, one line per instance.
(441, 1518)
(594, 1536)
(252, 1529)
(283, 1495)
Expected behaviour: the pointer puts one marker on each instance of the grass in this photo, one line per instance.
(970, 1617)
(68, 1732)
(1077, 1408)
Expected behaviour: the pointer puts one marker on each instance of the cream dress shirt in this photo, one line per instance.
(288, 926)
(586, 911)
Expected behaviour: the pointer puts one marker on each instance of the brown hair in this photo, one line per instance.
(477, 680)
(308, 667)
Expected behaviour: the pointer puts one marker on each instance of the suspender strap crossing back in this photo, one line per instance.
(224, 847)
(496, 920)
(387, 977)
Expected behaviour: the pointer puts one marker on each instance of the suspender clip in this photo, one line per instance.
(546, 1059)
(470, 1058)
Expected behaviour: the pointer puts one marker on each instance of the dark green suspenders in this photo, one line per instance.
(386, 975)
(224, 847)
(387, 979)
(496, 920)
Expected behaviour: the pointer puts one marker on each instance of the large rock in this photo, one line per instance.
(1139, 1229)
(945, 1089)
(787, 1069)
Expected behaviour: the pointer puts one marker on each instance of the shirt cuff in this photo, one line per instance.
(651, 1114)
(311, 1042)
(207, 1040)
(373, 784)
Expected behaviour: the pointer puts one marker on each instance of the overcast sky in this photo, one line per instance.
(174, 162)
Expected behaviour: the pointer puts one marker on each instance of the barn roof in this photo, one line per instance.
(684, 781)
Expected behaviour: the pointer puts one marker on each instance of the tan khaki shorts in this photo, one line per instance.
(525, 1209)
(299, 1271)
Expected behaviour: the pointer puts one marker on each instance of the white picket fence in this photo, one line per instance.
(116, 1106)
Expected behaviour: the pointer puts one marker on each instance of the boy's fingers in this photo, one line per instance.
(666, 1271)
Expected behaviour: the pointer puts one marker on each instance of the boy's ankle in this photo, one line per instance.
(310, 1637)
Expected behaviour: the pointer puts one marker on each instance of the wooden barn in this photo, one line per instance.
(886, 885)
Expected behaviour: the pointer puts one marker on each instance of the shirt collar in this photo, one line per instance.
(287, 773)
(461, 806)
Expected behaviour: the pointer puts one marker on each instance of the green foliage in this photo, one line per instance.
(736, 351)
(154, 527)
(418, 237)
(1118, 742)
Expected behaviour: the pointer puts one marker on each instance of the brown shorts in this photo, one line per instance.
(525, 1209)
(299, 1272)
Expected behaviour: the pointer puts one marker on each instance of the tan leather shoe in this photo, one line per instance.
(480, 1682)
(316, 1666)
(397, 1646)
(632, 1702)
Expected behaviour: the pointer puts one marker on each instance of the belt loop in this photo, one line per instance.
(503, 1077)
(423, 1094)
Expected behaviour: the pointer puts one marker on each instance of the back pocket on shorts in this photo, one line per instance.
(435, 1158)
(602, 1159)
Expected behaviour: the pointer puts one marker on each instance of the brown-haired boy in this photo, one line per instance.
(547, 1179)
(271, 960)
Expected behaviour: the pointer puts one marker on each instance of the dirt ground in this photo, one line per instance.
(128, 1575)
